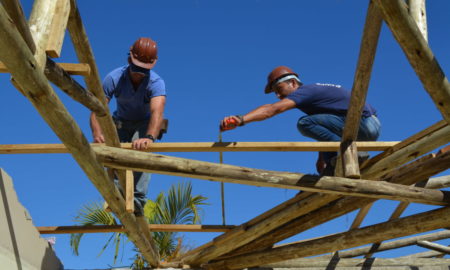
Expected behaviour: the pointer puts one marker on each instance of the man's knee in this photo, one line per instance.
(304, 125)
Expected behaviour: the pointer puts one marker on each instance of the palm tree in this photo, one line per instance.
(179, 206)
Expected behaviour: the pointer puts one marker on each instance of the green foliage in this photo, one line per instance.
(178, 206)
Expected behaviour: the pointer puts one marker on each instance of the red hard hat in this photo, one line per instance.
(277, 73)
(144, 52)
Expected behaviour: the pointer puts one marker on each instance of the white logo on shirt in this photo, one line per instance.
(329, 84)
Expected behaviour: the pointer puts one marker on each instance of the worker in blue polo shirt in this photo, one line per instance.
(325, 106)
(141, 96)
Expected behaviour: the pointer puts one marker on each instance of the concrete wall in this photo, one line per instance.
(21, 246)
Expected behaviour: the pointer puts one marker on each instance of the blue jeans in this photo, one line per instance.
(329, 127)
(126, 130)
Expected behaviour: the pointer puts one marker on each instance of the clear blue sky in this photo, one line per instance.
(214, 57)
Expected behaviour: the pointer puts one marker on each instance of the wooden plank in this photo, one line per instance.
(204, 147)
(70, 68)
(369, 42)
(16, 55)
(129, 191)
(15, 12)
(433, 246)
(62, 79)
(387, 230)
(120, 228)
(58, 28)
(416, 49)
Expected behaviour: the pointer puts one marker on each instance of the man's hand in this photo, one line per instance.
(230, 122)
(141, 144)
(98, 138)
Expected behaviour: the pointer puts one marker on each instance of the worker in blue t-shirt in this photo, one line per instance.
(325, 106)
(141, 96)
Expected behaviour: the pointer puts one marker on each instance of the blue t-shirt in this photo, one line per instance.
(132, 104)
(325, 98)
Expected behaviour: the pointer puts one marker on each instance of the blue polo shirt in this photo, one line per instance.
(322, 98)
(132, 105)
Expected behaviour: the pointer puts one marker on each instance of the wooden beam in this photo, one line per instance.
(401, 207)
(16, 55)
(62, 79)
(58, 28)
(361, 263)
(434, 246)
(418, 12)
(15, 12)
(72, 69)
(411, 173)
(426, 254)
(129, 191)
(406, 154)
(85, 55)
(410, 241)
(360, 216)
(416, 49)
(438, 182)
(40, 24)
(408, 141)
(148, 162)
(204, 147)
(371, 33)
(120, 228)
(428, 221)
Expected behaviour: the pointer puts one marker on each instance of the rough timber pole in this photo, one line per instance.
(433, 246)
(16, 14)
(420, 56)
(64, 81)
(363, 72)
(388, 230)
(16, 55)
(139, 161)
(417, 10)
(85, 55)
(404, 242)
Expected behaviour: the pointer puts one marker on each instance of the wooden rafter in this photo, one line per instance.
(387, 230)
(416, 49)
(70, 68)
(410, 174)
(348, 149)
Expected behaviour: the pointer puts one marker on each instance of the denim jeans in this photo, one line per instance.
(329, 127)
(126, 130)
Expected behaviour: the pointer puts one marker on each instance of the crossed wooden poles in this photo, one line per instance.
(388, 175)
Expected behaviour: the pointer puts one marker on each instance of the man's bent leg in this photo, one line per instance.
(322, 127)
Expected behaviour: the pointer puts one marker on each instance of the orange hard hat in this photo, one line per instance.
(276, 74)
(144, 52)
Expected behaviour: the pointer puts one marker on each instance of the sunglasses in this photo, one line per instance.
(137, 69)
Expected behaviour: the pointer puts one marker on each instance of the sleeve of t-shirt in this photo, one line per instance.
(157, 88)
(108, 87)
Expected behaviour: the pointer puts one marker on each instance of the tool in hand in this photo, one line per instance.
(230, 123)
